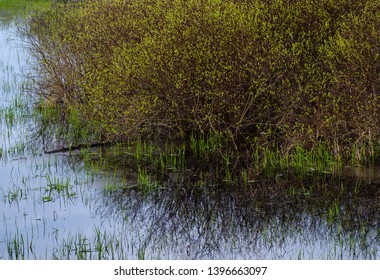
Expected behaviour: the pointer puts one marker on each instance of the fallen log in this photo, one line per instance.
(78, 147)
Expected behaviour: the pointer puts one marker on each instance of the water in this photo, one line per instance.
(35, 213)
(56, 207)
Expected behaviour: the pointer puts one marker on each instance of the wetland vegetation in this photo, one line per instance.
(201, 129)
(275, 74)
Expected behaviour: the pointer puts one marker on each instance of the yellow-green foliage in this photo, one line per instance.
(292, 72)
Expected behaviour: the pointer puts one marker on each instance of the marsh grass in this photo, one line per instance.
(101, 245)
(153, 166)
(20, 246)
(144, 181)
(9, 9)
(16, 247)
(15, 108)
(13, 196)
(58, 188)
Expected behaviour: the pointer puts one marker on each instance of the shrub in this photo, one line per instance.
(279, 72)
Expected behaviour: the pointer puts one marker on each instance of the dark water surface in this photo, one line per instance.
(53, 207)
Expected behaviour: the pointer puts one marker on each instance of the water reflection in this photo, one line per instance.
(233, 224)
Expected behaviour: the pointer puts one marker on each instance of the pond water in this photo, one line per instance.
(53, 206)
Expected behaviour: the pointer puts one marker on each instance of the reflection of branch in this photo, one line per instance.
(78, 147)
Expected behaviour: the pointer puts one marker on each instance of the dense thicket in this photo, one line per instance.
(282, 72)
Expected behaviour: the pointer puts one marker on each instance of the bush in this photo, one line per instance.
(278, 72)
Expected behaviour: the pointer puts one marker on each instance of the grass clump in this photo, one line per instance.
(277, 74)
